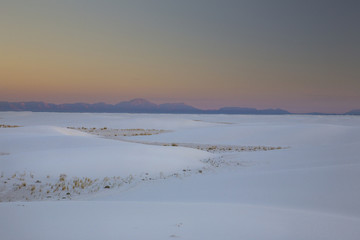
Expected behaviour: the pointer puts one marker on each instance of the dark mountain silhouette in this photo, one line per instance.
(353, 112)
(177, 107)
(238, 110)
(27, 106)
(137, 105)
(320, 113)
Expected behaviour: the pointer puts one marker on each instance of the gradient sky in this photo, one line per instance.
(301, 55)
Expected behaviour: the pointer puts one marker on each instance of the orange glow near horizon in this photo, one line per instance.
(111, 52)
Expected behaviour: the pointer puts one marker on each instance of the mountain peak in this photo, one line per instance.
(139, 101)
(136, 105)
(353, 112)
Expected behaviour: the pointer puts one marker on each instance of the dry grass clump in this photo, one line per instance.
(82, 183)
(104, 131)
(142, 134)
(212, 148)
(23, 184)
(62, 177)
(64, 187)
(226, 148)
(8, 126)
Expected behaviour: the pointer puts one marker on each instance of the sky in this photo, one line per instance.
(302, 56)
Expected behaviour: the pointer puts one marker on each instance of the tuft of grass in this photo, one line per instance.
(62, 177)
(8, 126)
(211, 148)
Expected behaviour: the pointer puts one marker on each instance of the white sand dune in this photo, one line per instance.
(310, 190)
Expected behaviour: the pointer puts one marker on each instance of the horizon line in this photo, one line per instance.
(201, 109)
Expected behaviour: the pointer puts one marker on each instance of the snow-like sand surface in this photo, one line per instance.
(310, 190)
(53, 151)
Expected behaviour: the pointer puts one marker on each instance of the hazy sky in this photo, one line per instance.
(298, 55)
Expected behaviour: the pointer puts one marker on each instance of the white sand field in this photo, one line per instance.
(276, 177)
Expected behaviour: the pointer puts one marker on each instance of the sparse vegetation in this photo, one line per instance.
(64, 187)
(104, 131)
(62, 177)
(8, 126)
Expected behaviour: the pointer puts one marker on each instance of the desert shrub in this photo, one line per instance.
(8, 126)
(23, 184)
(62, 177)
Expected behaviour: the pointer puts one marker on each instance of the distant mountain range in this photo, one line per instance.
(353, 112)
(137, 105)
